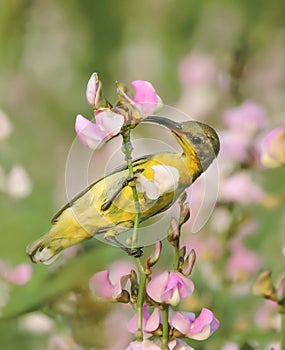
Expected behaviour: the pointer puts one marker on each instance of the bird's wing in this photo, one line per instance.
(115, 189)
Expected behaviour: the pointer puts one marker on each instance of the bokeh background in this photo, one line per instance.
(203, 57)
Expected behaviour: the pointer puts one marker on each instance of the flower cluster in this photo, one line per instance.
(16, 183)
(109, 120)
(164, 289)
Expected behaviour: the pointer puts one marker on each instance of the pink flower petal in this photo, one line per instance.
(100, 284)
(177, 344)
(249, 117)
(144, 345)
(153, 321)
(89, 133)
(145, 96)
(109, 123)
(170, 287)
(157, 286)
(204, 325)
(273, 148)
(132, 324)
(241, 188)
(182, 321)
(91, 89)
(21, 274)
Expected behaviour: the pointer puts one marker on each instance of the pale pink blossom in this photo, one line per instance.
(166, 179)
(235, 145)
(108, 120)
(18, 182)
(169, 287)
(146, 98)
(199, 328)
(266, 316)
(36, 323)
(102, 286)
(93, 135)
(241, 188)
(230, 346)
(273, 148)
(247, 118)
(177, 344)
(92, 89)
(144, 345)
(150, 322)
(242, 261)
(197, 69)
(18, 275)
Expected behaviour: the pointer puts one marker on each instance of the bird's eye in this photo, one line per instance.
(196, 140)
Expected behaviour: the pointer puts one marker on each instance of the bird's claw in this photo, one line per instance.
(135, 252)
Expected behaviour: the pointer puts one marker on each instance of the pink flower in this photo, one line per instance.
(273, 148)
(247, 118)
(242, 261)
(150, 322)
(108, 124)
(18, 275)
(102, 286)
(92, 90)
(170, 287)
(235, 145)
(199, 328)
(18, 182)
(230, 346)
(144, 345)
(146, 98)
(197, 69)
(241, 188)
(177, 344)
(108, 120)
(166, 179)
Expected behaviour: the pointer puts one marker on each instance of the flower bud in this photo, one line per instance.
(281, 294)
(273, 148)
(155, 256)
(94, 93)
(188, 264)
(263, 286)
(184, 214)
(173, 233)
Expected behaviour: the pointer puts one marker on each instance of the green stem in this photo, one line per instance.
(127, 149)
(177, 256)
(282, 331)
(165, 327)
(140, 299)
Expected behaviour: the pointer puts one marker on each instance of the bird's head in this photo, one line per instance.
(194, 137)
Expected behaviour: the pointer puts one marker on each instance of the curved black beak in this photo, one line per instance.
(170, 124)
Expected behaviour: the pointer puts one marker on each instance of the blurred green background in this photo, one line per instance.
(48, 51)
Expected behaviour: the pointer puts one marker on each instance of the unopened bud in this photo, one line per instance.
(94, 93)
(281, 294)
(263, 286)
(155, 256)
(189, 262)
(173, 233)
(184, 214)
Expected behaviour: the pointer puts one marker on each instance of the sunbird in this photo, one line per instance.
(107, 207)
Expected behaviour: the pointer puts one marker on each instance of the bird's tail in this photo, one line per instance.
(46, 249)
